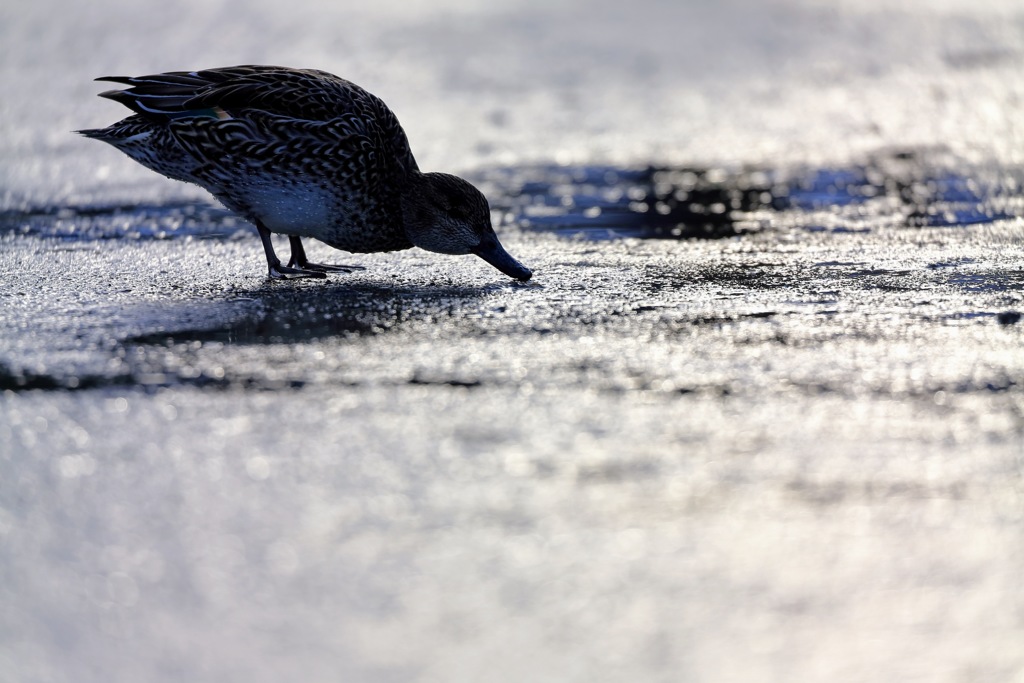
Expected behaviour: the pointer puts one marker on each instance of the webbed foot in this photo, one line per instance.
(299, 260)
(323, 267)
(279, 272)
(274, 268)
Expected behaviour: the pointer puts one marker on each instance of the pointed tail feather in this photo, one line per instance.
(178, 78)
(152, 104)
(94, 133)
(126, 131)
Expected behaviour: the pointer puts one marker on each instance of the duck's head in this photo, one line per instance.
(445, 214)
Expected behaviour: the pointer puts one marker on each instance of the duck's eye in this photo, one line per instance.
(454, 209)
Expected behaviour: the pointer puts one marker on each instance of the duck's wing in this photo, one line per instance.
(305, 96)
(299, 93)
(270, 143)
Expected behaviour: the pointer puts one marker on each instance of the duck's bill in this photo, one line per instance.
(490, 250)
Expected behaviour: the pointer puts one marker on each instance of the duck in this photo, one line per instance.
(301, 153)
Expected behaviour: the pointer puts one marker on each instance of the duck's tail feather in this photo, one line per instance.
(94, 133)
(161, 96)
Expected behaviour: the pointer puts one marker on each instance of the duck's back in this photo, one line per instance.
(303, 151)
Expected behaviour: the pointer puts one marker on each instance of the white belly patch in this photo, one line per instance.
(295, 210)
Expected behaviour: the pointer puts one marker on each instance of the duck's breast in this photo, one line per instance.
(302, 209)
(343, 217)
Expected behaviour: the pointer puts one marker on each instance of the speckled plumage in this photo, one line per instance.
(302, 153)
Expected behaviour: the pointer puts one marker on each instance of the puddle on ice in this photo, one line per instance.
(893, 189)
(608, 203)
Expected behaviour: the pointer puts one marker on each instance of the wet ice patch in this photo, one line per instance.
(600, 202)
(143, 221)
(912, 189)
(901, 189)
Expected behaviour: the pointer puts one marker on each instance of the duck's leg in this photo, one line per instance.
(276, 270)
(299, 259)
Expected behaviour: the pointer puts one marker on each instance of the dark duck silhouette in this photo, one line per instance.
(301, 153)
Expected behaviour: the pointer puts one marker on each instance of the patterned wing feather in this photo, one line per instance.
(264, 143)
(300, 94)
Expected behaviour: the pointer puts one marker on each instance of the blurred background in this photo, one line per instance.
(502, 83)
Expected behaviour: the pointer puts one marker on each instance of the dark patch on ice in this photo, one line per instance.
(726, 278)
(604, 202)
(27, 380)
(990, 281)
(140, 221)
(901, 188)
(617, 471)
(341, 309)
(450, 382)
(274, 315)
(1008, 317)
(827, 493)
(1001, 317)
(272, 327)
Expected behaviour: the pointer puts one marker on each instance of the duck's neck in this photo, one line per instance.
(417, 212)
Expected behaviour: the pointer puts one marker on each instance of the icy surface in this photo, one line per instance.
(758, 417)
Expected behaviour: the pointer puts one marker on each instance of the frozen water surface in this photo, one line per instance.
(759, 415)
